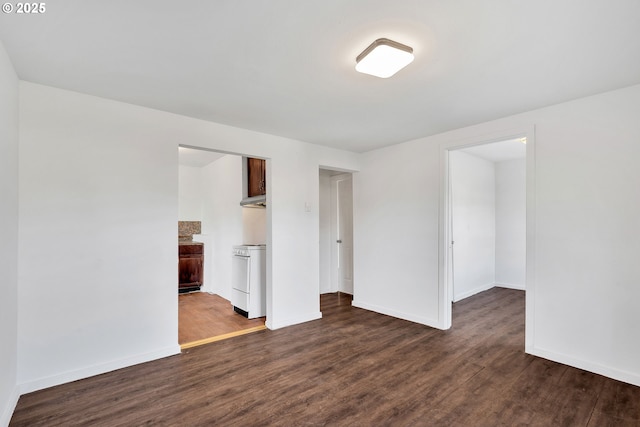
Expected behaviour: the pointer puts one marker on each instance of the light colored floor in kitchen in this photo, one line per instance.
(207, 317)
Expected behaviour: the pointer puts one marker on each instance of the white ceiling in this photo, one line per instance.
(499, 151)
(286, 67)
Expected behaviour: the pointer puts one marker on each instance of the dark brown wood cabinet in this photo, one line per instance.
(190, 266)
(256, 177)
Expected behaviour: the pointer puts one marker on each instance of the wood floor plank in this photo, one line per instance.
(599, 419)
(619, 400)
(352, 367)
(522, 398)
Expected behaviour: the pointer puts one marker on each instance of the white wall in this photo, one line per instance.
(254, 226)
(473, 197)
(325, 231)
(582, 291)
(396, 211)
(9, 236)
(190, 193)
(511, 239)
(98, 212)
(221, 220)
(97, 252)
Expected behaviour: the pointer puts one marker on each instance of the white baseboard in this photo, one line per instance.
(511, 286)
(90, 371)
(399, 314)
(292, 320)
(616, 374)
(467, 294)
(7, 411)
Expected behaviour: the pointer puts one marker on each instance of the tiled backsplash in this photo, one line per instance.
(186, 229)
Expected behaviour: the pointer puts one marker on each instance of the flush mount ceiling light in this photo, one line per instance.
(383, 58)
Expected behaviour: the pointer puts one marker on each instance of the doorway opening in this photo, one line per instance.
(487, 207)
(336, 236)
(487, 219)
(211, 187)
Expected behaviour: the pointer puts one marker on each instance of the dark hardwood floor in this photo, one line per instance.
(350, 368)
(202, 315)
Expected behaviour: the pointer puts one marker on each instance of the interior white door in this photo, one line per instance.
(344, 238)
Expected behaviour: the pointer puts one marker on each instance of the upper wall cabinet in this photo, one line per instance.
(256, 177)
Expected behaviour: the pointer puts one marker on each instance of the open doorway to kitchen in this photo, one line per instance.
(212, 222)
(336, 237)
(488, 214)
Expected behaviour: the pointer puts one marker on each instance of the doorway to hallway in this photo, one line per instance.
(336, 232)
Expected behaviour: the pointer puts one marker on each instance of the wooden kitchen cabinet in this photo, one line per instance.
(190, 266)
(256, 177)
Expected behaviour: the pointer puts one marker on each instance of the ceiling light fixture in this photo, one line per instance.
(383, 58)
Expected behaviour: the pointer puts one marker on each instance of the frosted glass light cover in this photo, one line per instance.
(382, 59)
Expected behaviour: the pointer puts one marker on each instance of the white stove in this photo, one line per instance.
(248, 279)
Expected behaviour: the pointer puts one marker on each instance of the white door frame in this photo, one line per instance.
(445, 285)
